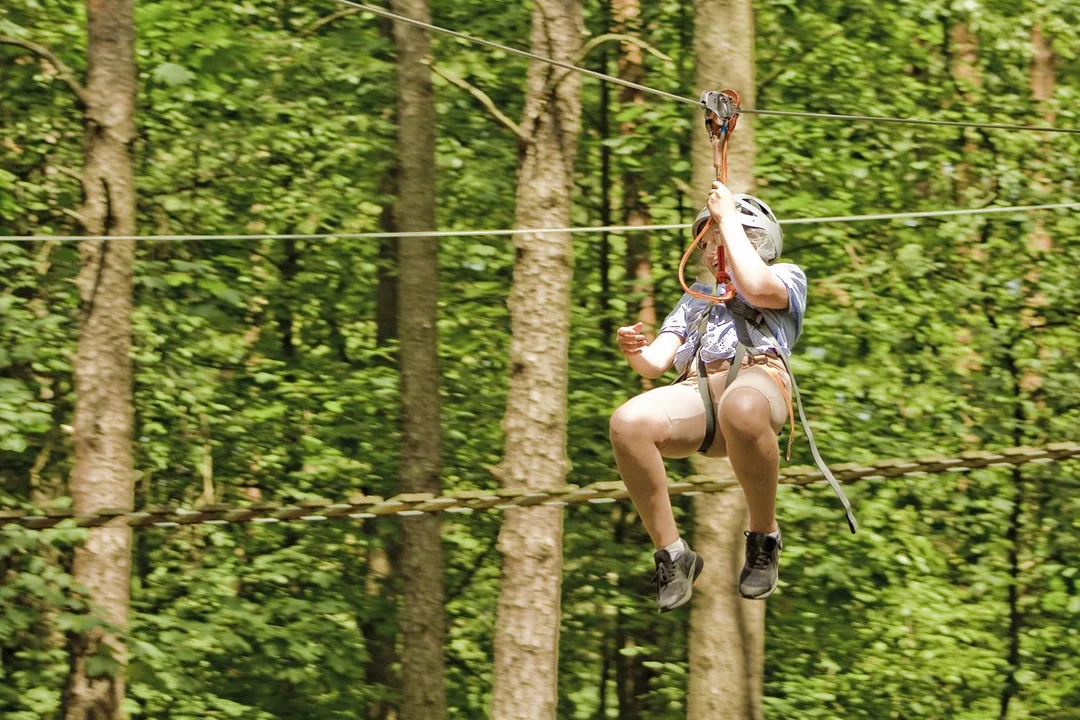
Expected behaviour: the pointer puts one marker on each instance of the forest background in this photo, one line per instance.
(269, 369)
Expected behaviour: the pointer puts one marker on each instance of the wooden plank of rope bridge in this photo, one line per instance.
(477, 499)
(102, 516)
(411, 502)
(39, 522)
(524, 499)
(386, 507)
(11, 517)
(149, 516)
(576, 494)
(437, 504)
(606, 492)
(360, 504)
(557, 497)
(337, 510)
(249, 513)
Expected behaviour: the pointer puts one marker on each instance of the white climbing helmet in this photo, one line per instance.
(762, 228)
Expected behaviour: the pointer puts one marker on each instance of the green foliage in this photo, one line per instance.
(259, 374)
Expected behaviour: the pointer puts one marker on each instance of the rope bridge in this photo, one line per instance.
(467, 501)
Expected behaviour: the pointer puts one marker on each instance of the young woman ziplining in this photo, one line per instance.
(749, 409)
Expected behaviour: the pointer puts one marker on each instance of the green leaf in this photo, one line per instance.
(172, 74)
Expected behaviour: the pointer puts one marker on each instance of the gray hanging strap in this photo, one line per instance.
(706, 397)
(703, 382)
(741, 314)
(817, 456)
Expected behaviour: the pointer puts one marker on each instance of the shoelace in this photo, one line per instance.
(756, 556)
(665, 571)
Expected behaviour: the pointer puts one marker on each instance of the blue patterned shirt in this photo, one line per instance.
(720, 337)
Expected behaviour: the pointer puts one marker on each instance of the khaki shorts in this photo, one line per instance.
(683, 404)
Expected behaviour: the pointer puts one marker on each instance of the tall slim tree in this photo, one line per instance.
(1025, 383)
(527, 626)
(631, 63)
(632, 675)
(103, 472)
(727, 633)
(102, 476)
(422, 618)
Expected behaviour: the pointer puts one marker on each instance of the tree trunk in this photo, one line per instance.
(1043, 62)
(382, 653)
(607, 326)
(1039, 241)
(103, 475)
(727, 633)
(627, 15)
(422, 621)
(963, 48)
(527, 628)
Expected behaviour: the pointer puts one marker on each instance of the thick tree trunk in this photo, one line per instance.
(727, 633)
(103, 474)
(527, 628)
(422, 620)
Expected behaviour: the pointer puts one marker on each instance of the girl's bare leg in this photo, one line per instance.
(754, 453)
(665, 422)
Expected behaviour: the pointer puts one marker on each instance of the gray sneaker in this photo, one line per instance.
(761, 573)
(675, 578)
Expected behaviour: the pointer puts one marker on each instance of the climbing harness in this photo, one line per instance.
(721, 113)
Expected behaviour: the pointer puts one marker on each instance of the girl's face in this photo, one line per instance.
(708, 245)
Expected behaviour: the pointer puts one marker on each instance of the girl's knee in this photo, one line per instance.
(636, 422)
(745, 411)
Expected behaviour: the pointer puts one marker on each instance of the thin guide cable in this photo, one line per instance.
(506, 232)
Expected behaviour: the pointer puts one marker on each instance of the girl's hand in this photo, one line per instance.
(720, 204)
(631, 340)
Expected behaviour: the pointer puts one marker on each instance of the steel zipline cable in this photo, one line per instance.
(690, 101)
(507, 232)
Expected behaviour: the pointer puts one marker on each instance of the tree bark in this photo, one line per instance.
(422, 617)
(382, 652)
(727, 633)
(607, 326)
(386, 283)
(527, 628)
(103, 474)
(963, 48)
(627, 15)
(1038, 240)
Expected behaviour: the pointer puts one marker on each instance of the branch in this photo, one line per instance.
(318, 24)
(470, 575)
(63, 71)
(480, 95)
(618, 37)
(557, 77)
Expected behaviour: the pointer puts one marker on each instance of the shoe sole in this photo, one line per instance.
(698, 565)
(763, 595)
